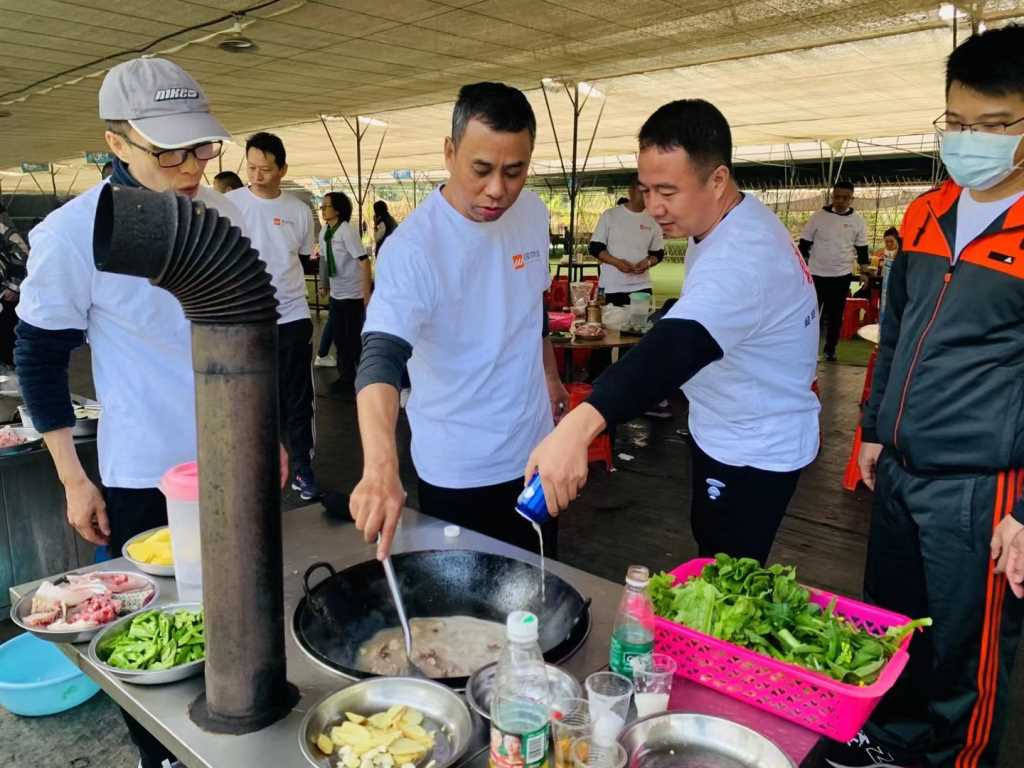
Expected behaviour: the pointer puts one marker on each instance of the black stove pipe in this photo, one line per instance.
(193, 252)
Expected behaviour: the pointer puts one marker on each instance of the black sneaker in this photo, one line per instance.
(830, 357)
(861, 752)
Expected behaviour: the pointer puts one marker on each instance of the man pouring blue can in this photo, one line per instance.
(459, 296)
(741, 342)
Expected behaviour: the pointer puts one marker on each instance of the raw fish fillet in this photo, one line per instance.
(43, 618)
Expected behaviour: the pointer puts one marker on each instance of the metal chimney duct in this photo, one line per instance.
(198, 256)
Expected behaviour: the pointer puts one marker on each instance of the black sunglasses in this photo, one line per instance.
(172, 158)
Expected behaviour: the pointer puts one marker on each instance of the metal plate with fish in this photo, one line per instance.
(688, 740)
(14, 440)
(135, 601)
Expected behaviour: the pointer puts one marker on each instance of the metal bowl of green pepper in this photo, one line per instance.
(162, 645)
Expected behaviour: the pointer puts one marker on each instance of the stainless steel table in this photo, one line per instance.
(310, 536)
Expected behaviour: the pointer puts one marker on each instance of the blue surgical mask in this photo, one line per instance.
(978, 160)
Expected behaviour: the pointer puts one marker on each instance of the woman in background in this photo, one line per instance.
(383, 224)
(345, 268)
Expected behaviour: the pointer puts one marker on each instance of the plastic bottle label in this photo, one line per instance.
(623, 653)
(519, 750)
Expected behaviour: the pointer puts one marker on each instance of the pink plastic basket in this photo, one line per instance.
(815, 701)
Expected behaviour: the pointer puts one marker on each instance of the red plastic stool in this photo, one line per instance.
(852, 474)
(601, 447)
(852, 317)
(869, 377)
(578, 392)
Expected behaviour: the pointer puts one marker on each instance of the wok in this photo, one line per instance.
(338, 615)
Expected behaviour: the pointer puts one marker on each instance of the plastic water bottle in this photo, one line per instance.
(633, 636)
(521, 704)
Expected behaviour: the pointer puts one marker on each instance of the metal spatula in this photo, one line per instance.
(411, 668)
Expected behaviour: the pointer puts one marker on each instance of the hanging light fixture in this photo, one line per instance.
(948, 12)
(234, 41)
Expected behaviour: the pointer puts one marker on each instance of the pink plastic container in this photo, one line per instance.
(560, 321)
(815, 701)
(180, 485)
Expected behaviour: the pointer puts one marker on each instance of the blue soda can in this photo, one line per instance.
(531, 503)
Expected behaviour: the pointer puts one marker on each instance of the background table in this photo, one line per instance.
(611, 340)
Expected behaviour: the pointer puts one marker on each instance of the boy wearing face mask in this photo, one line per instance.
(944, 428)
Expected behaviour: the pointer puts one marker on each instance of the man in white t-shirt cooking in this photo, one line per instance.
(741, 342)
(162, 135)
(627, 242)
(280, 226)
(829, 242)
(459, 295)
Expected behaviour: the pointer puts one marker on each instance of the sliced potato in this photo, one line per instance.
(355, 735)
(412, 717)
(324, 744)
(405, 746)
(382, 740)
(415, 732)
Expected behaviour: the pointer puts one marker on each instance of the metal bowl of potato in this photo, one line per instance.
(151, 565)
(387, 721)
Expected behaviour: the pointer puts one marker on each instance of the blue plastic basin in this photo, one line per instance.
(37, 679)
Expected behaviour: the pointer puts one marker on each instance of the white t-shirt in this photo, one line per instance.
(834, 236)
(629, 236)
(749, 287)
(468, 298)
(973, 218)
(280, 229)
(347, 282)
(140, 340)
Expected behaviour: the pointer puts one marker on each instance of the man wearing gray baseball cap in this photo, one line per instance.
(162, 134)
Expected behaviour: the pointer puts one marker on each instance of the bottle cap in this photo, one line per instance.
(522, 627)
(638, 576)
(181, 483)
(452, 531)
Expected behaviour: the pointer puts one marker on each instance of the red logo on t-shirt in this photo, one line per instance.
(518, 261)
(277, 221)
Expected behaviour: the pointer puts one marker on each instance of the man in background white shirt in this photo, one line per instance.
(280, 227)
(829, 242)
(627, 242)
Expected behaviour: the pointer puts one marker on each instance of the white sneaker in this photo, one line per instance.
(325, 362)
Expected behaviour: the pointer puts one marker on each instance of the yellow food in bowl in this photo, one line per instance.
(155, 549)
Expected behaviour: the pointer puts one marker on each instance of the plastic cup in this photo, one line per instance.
(652, 679)
(588, 754)
(180, 485)
(609, 694)
(570, 720)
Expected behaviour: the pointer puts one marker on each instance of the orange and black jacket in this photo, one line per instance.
(948, 390)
